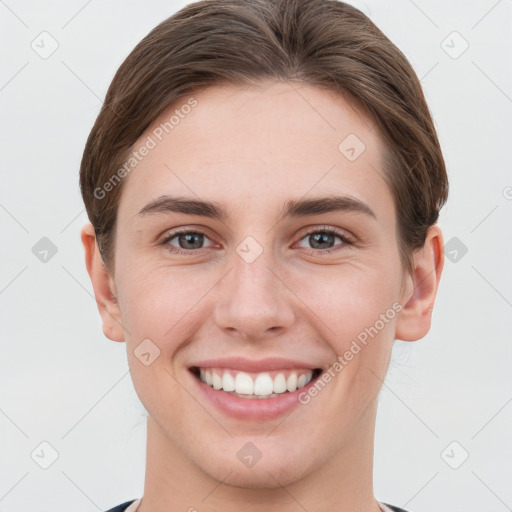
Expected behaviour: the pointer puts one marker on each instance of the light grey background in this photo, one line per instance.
(64, 383)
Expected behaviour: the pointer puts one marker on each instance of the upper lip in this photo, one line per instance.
(253, 365)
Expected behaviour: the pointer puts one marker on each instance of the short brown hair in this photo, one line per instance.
(324, 43)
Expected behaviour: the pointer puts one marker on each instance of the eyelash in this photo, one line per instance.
(346, 241)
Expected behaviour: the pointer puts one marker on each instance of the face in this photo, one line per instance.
(270, 286)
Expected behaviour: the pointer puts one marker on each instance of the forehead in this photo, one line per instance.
(258, 147)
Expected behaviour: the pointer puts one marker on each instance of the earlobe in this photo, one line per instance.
(103, 285)
(420, 292)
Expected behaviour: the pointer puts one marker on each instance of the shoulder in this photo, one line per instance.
(122, 507)
(126, 504)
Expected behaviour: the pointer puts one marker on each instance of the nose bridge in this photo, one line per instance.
(252, 298)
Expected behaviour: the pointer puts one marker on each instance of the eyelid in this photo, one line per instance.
(347, 239)
(343, 233)
(169, 234)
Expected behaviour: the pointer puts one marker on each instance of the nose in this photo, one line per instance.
(254, 302)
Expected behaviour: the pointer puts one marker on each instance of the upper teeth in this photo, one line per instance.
(261, 384)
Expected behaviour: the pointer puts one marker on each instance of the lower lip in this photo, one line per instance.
(252, 409)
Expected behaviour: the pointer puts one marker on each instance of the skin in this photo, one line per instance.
(253, 149)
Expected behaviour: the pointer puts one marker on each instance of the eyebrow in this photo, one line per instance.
(292, 208)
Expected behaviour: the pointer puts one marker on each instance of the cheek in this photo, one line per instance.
(155, 300)
(342, 300)
(350, 299)
(160, 309)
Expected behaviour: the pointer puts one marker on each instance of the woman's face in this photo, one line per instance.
(258, 289)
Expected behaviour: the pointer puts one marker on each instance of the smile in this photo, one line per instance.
(253, 391)
(259, 385)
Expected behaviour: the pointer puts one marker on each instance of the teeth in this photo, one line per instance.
(302, 381)
(279, 383)
(228, 382)
(244, 384)
(216, 381)
(255, 397)
(261, 385)
(291, 382)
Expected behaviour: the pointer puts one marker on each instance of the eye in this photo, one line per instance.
(188, 241)
(321, 240)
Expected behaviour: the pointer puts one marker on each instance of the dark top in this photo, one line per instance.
(124, 506)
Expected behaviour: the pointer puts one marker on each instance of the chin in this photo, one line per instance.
(264, 477)
(269, 472)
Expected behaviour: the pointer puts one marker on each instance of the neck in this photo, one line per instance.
(343, 484)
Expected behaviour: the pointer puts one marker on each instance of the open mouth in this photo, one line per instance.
(260, 385)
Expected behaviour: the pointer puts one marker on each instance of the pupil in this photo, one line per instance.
(321, 238)
(188, 238)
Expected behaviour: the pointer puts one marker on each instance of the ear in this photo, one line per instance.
(103, 285)
(420, 288)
